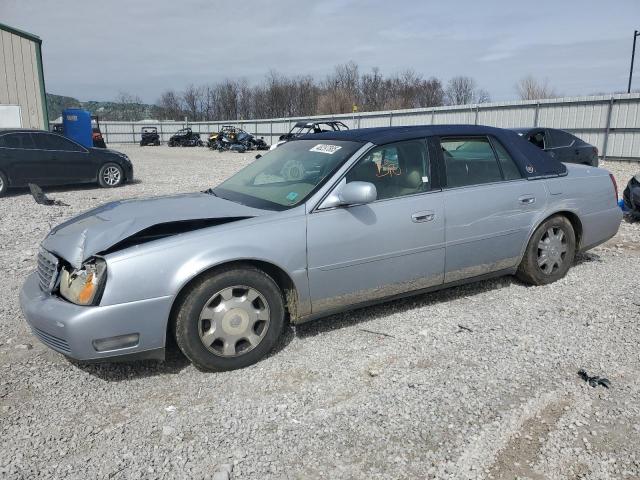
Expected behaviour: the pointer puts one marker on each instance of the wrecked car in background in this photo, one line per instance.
(325, 223)
(235, 139)
(308, 127)
(631, 197)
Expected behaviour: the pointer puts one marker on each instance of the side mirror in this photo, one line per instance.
(353, 193)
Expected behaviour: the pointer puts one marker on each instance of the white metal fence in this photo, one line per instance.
(611, 123)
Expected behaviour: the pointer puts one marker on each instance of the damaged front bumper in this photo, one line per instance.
(112, 332)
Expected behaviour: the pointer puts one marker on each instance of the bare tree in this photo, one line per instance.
(283, 96)
(482, 96)
(170, 105)
(194, 100)
(131, 107)
(463, 90)
(460, 90)
(340, 90)
(531, 89)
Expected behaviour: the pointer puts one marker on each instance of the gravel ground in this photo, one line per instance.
(477, 381)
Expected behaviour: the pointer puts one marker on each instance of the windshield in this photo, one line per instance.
(286, 176)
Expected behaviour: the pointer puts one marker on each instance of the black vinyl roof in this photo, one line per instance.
(532, 161)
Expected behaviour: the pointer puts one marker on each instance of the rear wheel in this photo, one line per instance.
(4, 184)
(110, 175)
(230, 319)
(550, 252)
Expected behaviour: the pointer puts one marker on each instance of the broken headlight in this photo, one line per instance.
(83, 286)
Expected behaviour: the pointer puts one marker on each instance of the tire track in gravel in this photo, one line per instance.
(511, 440)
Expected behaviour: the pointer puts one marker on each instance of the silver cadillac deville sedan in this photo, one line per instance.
(322, 224)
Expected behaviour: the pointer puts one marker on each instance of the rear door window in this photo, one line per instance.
(469, 161)
(20, 140)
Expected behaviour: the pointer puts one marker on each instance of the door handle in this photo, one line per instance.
(527, 199)
(420, 217)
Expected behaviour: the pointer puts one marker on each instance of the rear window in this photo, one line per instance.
(560, 138)
(509, 167)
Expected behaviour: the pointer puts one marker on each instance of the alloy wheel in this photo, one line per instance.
(111, 176)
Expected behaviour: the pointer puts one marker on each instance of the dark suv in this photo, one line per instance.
(149, 136)
(44, 158)
(561, 145)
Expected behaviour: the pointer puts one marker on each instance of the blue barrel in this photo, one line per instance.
(77, 126)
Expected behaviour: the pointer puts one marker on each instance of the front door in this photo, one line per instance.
(363, 253)
(490, 207)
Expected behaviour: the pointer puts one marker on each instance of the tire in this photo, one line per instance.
(240, 335)
(542, 265)
(110, 175)
(4, 184)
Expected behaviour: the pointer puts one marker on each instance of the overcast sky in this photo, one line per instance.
(93, 50)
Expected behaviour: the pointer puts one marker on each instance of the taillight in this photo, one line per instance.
(615, 185)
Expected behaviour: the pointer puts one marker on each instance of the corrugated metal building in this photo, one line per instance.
(22, 92)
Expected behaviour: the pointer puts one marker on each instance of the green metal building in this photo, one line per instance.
(22, 91)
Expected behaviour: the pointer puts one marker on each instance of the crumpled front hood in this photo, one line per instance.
(96, 230)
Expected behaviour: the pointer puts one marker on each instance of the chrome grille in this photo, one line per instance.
(47, 270)
(52, 341)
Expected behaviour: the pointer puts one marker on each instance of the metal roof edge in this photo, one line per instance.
(21, 33)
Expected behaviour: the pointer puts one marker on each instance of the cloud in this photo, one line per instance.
(93, 50)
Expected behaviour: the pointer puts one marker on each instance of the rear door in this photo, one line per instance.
(21, 160)
(490, 208)
(68, 162)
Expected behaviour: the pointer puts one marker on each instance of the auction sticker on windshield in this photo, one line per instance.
(322, 148)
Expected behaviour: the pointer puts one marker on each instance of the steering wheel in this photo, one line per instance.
(293, 170)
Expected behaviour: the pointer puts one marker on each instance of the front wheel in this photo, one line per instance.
(230, 319)
(550, 252)
(110, 175)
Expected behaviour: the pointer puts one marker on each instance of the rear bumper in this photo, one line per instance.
(599, 227)
(71, 329)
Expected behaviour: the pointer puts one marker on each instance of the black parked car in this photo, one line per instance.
(561, 145)
(185, 138)
(44, 158)
(149, 136)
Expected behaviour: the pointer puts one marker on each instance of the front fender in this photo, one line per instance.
(163, 267)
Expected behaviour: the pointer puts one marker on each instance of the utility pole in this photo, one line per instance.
(633, 54)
